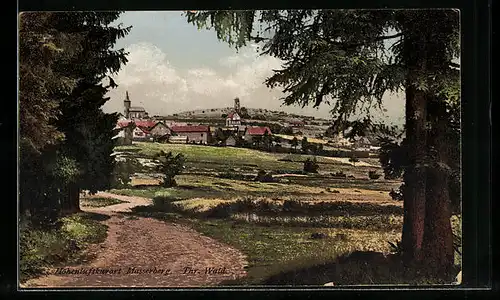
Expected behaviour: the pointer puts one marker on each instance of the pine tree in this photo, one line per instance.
(88, 130)
(66, 140)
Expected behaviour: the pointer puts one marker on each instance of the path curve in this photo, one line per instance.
(145, 252)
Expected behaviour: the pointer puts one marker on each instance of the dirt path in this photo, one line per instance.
(144, 252)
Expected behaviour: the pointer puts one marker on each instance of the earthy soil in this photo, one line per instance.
(144, 252)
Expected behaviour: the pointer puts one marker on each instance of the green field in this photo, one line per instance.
(208, 159)
(273, 222)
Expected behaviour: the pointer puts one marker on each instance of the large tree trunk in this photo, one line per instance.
(438, 236)
(415, 175)
(74, 198)
(71, 201)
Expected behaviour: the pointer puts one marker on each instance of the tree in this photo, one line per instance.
(89, 131)
(219, 135)
(294, 143)
(311, 165)
(288, 130)
(339, 57)
(353, 159)
(170, 166)
(267, 140)
(244, 113)
(76, 59)
(304, 144)
(40, 91)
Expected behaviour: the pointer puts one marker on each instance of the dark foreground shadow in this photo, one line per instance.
(95, 216)
(361, 268)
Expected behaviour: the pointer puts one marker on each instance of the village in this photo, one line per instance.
(232, 130)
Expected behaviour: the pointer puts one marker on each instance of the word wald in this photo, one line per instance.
(209, 270)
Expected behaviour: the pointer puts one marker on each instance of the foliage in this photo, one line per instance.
(397, 195)
(65, 56)
(311, 165)
(39, 249)
(339, 174)
(396, 247)
(373, 175)
(101, 202)
(41, 87)
(235, 176)
(353, 159)
(244, 113)
(304, 145)
(170, 166)
(122, 172)
(287, 130)
(263, 176)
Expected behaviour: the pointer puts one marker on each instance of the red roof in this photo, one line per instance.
(123, 123)
(145, 124)
(200, 128)
(258, 130)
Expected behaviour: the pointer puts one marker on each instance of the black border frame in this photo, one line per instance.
(477, 149)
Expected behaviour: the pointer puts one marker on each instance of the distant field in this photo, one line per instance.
(219, 159)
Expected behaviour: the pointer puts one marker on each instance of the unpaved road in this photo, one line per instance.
(144, 252)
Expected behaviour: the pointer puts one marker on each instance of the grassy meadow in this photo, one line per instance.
(297, 224)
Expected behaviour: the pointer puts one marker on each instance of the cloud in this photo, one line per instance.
(164, 87)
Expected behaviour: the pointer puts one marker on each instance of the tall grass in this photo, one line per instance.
(66, 243)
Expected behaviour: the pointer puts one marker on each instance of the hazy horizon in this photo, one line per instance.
(174, 67)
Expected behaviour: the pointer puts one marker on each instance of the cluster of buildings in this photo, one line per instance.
(136, 125)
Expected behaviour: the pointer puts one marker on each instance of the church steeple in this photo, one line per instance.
(126, 104)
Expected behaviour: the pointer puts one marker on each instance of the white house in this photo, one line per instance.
(139, 133)
(233, 119)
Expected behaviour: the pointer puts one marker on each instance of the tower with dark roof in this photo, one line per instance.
(127, 103)
(237, 105)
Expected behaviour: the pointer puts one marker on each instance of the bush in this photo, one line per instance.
(39, 249)
(235, 176)
(353, 159)
(170, 166)
(373, 175)
(120, 178)
(298, 172)
(263, 176)
(397, 195)
(311, 165)
(339, 174)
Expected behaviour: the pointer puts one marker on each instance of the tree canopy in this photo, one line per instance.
(66, 139)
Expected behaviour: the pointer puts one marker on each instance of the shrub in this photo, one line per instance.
(170, 166)
(373, 175)
(353, 159)
(263, 176)
(339, 174)
(235, 176)
(311, 165)
(396, 248)
(397, 195)
(54, 246)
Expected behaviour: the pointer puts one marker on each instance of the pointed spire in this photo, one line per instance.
(126, 97)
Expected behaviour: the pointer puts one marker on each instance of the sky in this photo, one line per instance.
(175, 67)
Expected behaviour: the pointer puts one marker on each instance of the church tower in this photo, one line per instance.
(126, 103)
